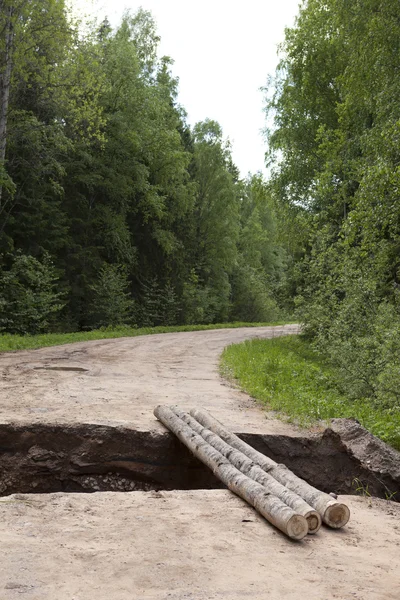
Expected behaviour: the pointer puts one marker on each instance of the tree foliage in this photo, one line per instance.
(143, 217)
(335, 158)
(111, 303)
(29, 301)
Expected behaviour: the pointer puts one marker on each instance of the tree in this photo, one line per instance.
(215, 218)
(261, 259)
(7, 24)
(30, 34)
(111, 303)
(127, 198)
(29, 301)
(103, 173)
(301, 101)
(337, 116)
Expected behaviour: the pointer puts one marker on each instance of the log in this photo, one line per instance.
(269, 506)
(255, 472)
(333, 513)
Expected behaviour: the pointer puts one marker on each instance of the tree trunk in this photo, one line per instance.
(269, 506)
(255, 472)
(333, 513)
(5, 82)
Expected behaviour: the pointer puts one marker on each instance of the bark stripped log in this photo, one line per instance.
(255, 472)
(270, 507)
(333, 513)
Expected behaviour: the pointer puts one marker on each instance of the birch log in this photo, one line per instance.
(333, 513)
(269, 506)
(255, 472)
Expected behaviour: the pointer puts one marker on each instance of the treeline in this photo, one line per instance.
(112, 209)
(335, 160)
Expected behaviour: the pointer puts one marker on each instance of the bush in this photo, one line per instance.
(28, 300)
(206, 303)
(349, 320)
(159, 304)
(252, 300)
(367, 355)
(112, 304)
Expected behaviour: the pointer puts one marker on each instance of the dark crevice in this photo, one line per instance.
(90, 458)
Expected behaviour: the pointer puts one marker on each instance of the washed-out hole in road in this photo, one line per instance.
(44, 458)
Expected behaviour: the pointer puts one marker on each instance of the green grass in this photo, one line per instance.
(289, 377)
(10, 342)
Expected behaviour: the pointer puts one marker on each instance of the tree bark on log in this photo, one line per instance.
(254, 471)
(269, 506)
(333, 513)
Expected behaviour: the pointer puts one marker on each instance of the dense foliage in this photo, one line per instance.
(334, 110)
(112, 209)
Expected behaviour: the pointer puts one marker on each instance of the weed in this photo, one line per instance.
(390, 495)
(361, 489)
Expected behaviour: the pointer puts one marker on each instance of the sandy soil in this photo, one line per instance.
(197, 545)
(119, 382)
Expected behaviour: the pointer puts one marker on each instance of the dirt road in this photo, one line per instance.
(197, 545)
(119, 382)
(168, 545)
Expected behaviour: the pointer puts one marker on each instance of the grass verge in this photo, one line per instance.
(288, 376)
(10, 342)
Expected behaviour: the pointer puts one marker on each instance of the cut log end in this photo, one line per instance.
(297, 527)
(314, 522)
(336, 515)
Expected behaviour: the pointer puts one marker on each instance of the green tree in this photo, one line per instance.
(301, 101)
(29, 302)
(102, 172)
(111, 302)
(159, 304)
(336, 161)
(127, 199)
(261, 259)
(216, 224)
(32, 37)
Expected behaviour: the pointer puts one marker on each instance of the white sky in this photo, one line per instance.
(223, 52)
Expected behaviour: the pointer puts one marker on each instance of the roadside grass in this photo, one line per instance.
(9, 342)
(288, 376)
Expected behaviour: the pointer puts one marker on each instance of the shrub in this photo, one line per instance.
(159, 304)
(28, 300)
(112, 303)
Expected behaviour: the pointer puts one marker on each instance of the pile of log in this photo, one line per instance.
(285, 500)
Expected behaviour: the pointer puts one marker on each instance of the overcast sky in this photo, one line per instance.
(223, 52)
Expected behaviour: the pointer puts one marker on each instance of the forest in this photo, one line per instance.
(114, 210)
(334, 152)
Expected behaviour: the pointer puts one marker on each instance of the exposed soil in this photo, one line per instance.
(79, 418)
(88, 458)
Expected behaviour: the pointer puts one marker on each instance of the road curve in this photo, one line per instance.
(120, 381)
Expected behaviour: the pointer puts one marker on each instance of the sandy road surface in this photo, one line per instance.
(193, 545)
(178, 545)
(121, 381)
